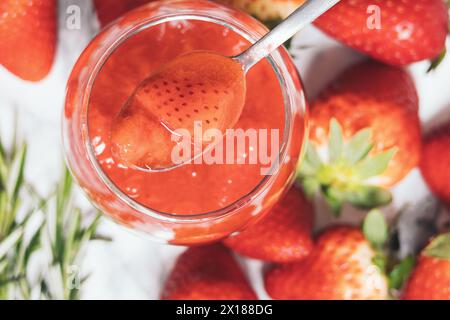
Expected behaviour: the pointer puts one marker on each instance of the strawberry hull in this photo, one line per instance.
(381, 98)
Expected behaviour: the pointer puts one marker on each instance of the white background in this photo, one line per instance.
(132, 267)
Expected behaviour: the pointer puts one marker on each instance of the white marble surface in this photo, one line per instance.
(132, 267)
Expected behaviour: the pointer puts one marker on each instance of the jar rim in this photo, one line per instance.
(276, 61)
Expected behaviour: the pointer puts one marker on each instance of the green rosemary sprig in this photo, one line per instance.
(66, 236)
(16, 247)
(31, 224)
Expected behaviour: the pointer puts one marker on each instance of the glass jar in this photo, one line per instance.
(115, 43)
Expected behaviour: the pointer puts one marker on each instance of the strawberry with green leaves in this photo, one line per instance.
(394, 32)
(207, 273)
(347, 263)
(435, 162)
(28, 37)
(430, 279)
(365, 136)
(283, 235)
(343, 266)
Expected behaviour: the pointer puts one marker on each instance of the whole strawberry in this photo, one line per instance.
(341, 267)
(283, 235)
(430, 279)
(110, 10)
(395, 32)
(435, 162)
(28, 37)
(365, 136)
(207, 273)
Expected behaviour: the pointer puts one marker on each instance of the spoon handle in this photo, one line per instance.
(301, 17)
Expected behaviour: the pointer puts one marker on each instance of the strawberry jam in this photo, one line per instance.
(195, 202)
(196, 88)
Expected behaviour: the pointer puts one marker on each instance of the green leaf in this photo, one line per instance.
(70, 236)
(10, 280)
(4, 225)
(10, 241)
(437, 61)
(310, 163)
(336, 141)
(379, 261)
(306, 168)
(3, 169)
(375, 228)
(33, 245)
(335, 199)
(374, 166)
(310, 186)
(439, 247)
(20, 172)
(358, 147)
(312, 156)
(101, 237)
(2, 150)
(3, 265)
(369, 197)
(400, 273)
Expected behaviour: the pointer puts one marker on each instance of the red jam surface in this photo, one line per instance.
(191, 188)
